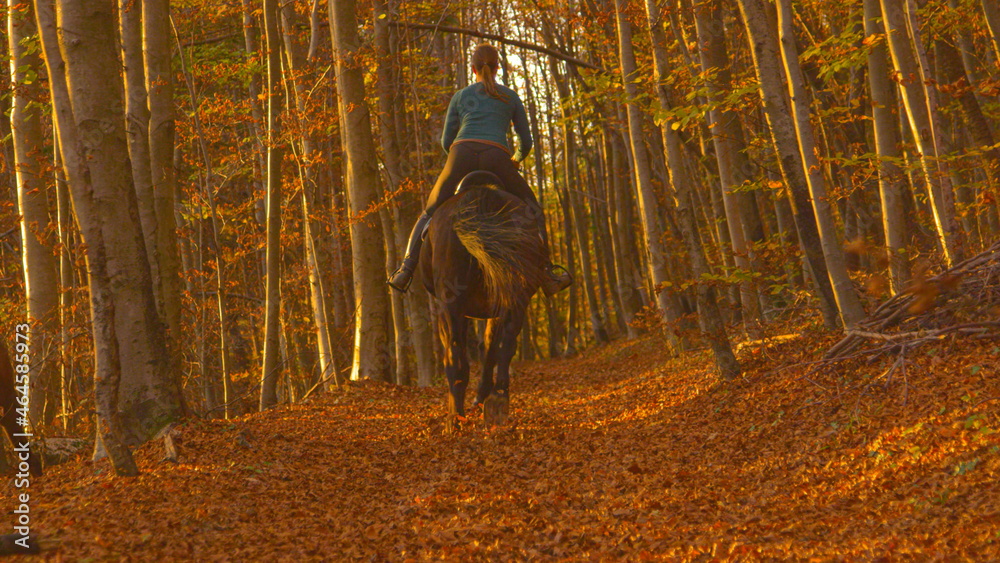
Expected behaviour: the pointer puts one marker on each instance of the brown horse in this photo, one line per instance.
(483, 258)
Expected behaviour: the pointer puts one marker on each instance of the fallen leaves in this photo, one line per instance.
(619, 454)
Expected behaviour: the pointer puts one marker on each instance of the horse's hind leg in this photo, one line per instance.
(497, 407)
(492, 342)
(452, 331)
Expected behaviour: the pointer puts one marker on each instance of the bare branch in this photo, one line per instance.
(499, 39)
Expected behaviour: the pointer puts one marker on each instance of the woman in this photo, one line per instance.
(475, 137)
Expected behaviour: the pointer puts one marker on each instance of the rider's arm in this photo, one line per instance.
(520, 119)
(452, 123)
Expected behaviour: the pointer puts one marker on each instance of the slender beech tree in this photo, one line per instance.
(655, 251)
(38, 251)
(992, 11)
(393, 230)
(8, 178)
(220, 286)
(67, 302)
(371, 338)
(908, 72)
(709, 317)
(728, 141)
(851, 310)
(307, 155)
(407, 206)
(272, 366)
(956, 80)
(137, 127)
(572, 182)
(156, 48)
(890, 176)
(787, 126)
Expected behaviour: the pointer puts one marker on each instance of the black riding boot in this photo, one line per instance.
(401, 278)
(554, 280)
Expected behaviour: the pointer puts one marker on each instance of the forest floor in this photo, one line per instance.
(621, 453)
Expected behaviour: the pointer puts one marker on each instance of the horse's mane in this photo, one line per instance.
(498, 231)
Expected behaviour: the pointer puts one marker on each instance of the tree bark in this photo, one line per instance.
(728, 140)
(160, 91)
(890, 176)
(137, 127)
(40, 273)
(93, 139)
(709, 317)
(786, 129)
(992, 11)
(851, 310)
(655, 251)
(272, 366)
(921, 124)
(372, 358)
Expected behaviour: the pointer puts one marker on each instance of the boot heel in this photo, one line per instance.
(400, 280)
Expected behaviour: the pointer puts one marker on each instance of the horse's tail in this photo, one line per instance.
(503, 237)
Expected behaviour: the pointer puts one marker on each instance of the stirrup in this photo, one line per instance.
(551, 273)
(404, 271)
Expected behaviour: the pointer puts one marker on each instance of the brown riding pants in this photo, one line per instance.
(469, 156)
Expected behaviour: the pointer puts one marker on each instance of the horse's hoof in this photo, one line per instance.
(496, 409)
(476, 410)
(455, 423)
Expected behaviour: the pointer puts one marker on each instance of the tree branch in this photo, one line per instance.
(525, 45)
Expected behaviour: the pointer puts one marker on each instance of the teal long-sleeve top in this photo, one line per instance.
(474, 115)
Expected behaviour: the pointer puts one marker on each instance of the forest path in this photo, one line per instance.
(618, 454)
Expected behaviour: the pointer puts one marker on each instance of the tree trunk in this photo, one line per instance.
(921, 124)
(407, 206)
(67, 303)
(137, 127)
(575, 206)
(250, 43)
(655, 251)
(890, 176)
(128, 334)
(551, 314)
(851, 310)
(40, 274)
(372, 358)
(8, 177)
(957, 82)
(992, 11)
(272, 366)
(160, 89)
(785, 132)
(296, 55)
(709, 317)
(629, 278)
(728, 140)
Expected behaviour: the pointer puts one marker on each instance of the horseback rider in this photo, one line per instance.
(475, 138)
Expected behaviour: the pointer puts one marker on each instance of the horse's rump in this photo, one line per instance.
(498, 231)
